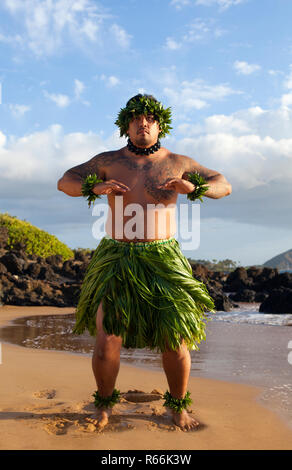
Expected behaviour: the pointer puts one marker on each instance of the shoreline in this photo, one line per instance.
(47, 397)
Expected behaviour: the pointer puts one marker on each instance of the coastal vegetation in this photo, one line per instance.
(34, 241)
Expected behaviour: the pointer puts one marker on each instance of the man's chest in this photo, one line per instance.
(144, 176)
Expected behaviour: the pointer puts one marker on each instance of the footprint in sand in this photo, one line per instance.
(49, 394)
(57, 426)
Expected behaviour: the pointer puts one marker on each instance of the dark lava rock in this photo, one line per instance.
(200, 272)
(281, 280)
(2, 294)
(55, 260)
(237, 279)
(33, 270)
(279, 301)
(81, 256)
(261, 296)
(47, 273)
(71, 293)
(243, 295)
(267, 274)
(32, 298)
(13, 263)
(221, 301)
(254, 272)
(68, 269)
(3, 269)
(80, 270)
(14, 296)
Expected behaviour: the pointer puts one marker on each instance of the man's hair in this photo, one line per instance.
(144, 104)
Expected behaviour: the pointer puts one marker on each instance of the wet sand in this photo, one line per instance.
(45, 403)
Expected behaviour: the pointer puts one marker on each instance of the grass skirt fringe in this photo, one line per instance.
(149, 295)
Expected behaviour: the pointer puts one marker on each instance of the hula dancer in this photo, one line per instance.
(139, 290)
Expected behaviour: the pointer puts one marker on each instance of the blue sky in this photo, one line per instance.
(224, 67)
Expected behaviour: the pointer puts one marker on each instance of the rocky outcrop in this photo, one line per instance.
(244, 295)
(213, 282)
(278, 301)
(265, 285)
(32, 280)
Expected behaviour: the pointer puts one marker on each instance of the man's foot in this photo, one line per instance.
(184, 420)
(100, 417)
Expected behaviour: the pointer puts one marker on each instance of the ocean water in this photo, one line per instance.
(248, 312)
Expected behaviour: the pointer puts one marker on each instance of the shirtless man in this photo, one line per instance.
(145, 179)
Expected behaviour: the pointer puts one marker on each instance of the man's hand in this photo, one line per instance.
(110, 187)
(178, 184)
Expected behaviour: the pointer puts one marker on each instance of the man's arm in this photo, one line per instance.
(71, 181)
(218, 184)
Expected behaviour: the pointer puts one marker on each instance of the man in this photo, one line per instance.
(139, 290)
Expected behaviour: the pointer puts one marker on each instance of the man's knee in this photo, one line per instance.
(108, 346)
(179, 353)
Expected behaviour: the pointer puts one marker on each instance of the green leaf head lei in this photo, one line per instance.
(144, 104)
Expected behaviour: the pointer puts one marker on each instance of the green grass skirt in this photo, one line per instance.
(149, 295)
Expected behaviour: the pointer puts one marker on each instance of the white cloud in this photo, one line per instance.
(196, 94)
(113, 81)
(2, 139)
(20, 156)
(223, 4)
(19, 110)
(46, 25)
(252, 147)
(226, 124)
(199, 30)
(16, 39)
(243, 68)
(110, 81)
(288, 80)
(79, 88)
(121, 36)
(286, 100)
(62, 101)
(219, 32)
(172, 44)
(179, 3)
(275, 72)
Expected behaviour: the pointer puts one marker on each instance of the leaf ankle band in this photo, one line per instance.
(177, 404)
(106, 402)
(87, 186)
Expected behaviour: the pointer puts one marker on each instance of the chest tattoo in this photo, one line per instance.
(151, 172)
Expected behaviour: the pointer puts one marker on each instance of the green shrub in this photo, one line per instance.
(36, 241)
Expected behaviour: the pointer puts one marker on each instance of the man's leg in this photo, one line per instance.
(105, 365)
(177, 366)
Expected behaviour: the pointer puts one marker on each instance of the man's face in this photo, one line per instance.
(143, 130)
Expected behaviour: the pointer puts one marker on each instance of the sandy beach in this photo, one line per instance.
(46, 403)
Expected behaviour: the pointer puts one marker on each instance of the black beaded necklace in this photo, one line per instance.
(143, 151)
